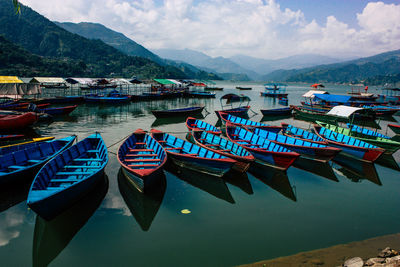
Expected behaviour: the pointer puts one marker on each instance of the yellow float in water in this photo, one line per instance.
(185, 211)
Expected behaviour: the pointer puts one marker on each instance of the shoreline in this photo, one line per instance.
(334, 255)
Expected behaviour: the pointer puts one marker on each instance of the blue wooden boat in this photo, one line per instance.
(266, 152)
(107, 99)
(224, 147)
(276, 111)
(142, 159)
(351, 146)
(275, 90)
(315, 151)
(177, 112)
(193, 123)
(200, 94)
(365, 132)
(228, 118)
(284, 101)
(240, 110)
(24, 161)
(301, 134)
(68, 177)
(192, 156)
(56, 111)
(8, 137)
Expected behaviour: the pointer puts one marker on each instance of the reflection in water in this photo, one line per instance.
(388, 160)
(356, 170)
(143, 206)
(322, 169)
(276, 118)
(12, 194)
(276, 179)
(239, 179)
(211, 184)
(51, 237)
(174, 120)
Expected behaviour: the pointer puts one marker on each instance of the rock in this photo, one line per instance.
(354, 262)
(372, 261)
(395, 259)
(388, 252)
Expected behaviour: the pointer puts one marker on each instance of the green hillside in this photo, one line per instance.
(40, 36)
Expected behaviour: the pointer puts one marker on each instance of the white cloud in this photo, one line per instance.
(223, 28)
(9, 221)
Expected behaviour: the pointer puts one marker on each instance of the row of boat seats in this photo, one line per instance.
(192, 148)
(345, 139)
(255, 139)
(235, 149)
(285, 139)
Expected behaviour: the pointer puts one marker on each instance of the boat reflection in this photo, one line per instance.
(240, 180)
(319, 168)
(174, 120)
(356, 170)
(387, 160)
(143, 206)
(276, 179)
(210, 184)
(14, 193)
(275, 118)
(51, 237)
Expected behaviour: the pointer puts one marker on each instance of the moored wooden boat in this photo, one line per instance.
(315, 151)
(240, 109)
(8, 137)
(276, 111)
(107, 99)
(193, 123)
(28, 141)
(283, 101)
(390, 146)
(353, 147)
(68, 177)
(177, 112)
(192, 156)
(59, 110)
(238, 112)
(395, 128)
(265, 151)
(357, 130)
(243, 88)
(142, 159)
(200, 94)
(17, 120)
(224, 147)
(228, 118)
(23, 161)
(302, 134)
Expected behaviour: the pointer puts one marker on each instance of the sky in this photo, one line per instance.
(267, 29)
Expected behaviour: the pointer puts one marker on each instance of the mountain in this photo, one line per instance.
(374, 69)
(115, 39)
(263, 66)
(40, 36)
(129, 47)
(16, 61)
(220, 65)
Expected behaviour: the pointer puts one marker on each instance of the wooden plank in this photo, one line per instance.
(73, 173)
(141, 150)
(140, 155)
(143, 165)
(142, 160)
(88, 159)
(81, 166)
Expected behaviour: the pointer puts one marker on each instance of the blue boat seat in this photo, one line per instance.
(88, 159)
(65, 180)
(33, 160)
(73, 173)
(16, 167)
(93, 151)
(80, 166)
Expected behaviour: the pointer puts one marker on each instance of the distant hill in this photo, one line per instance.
(40, 36)
(373, 69)
(219, 65)
(16, 61)
(126, 45)
(263, 66)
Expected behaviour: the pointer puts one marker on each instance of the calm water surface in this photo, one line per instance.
(235, 220)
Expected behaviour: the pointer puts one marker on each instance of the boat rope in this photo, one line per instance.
(119, 141)
(207, 111)
(253, 111)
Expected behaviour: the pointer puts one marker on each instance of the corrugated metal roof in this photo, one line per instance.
(310, 94)
(343, 111)
(80, 80)
(10, 79)
(164, 81)
(47, 80)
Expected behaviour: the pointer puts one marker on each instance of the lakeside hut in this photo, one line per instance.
(11, 87)
(50, 82)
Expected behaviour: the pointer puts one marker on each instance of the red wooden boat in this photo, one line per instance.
(193, 123)
(17, 121)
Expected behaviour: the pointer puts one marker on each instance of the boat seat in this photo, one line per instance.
(88, 159)
(141, 150)
(80, 166)
(225, 150)
(93, 151)
(140, 143)
(65, 180)
(16, 167)
(73, 173)
(143, 165)
(142, 160)
(161, 141)
(174, 148)
(141, 155)
(212, 145)
(33, 160)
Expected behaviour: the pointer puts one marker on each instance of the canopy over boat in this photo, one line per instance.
(235, 97)
(332, 98)
(316, 85)
(344, 111)
(310, 94)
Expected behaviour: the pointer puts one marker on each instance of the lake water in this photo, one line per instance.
(235, 220)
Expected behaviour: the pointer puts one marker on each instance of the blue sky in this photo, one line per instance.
(260, 28)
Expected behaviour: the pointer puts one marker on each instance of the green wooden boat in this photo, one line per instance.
(389, 145)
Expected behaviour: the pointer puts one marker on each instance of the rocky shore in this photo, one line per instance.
(379, 251)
